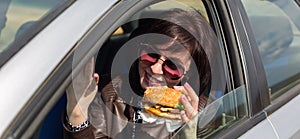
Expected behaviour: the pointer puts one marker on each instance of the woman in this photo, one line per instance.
(170, 53)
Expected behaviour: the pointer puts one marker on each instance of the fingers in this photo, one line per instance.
(183, 91)
(89, 67)
(96, 77)
(192, 95)
(184, 117)
(190, 101)
(92, 86)
(81, 92)
(188, 108)
(189, 112)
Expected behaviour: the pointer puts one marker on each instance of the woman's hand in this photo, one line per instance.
(81, 92)
(190, 101)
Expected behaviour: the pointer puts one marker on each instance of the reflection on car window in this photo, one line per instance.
(276, 28)
(19, 14)
(220, 114)
(195, 4)
(21, 20)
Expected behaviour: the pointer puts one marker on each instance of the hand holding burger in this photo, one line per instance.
(179, 103)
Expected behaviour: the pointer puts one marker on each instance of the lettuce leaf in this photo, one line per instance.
(180, 106)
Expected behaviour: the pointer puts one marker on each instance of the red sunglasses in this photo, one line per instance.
(170, 69)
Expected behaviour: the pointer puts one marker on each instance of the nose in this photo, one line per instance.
(157, 67)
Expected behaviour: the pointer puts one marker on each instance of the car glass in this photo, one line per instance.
(20, 20)
(276, 26)
(220, 114)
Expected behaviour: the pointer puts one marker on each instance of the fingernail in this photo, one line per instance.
(184, 98)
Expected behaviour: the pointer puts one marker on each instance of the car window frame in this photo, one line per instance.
(254, 75)
(212, 18)
(123, 18)
(244, 61)
(18, 44)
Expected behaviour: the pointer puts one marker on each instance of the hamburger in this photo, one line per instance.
(161, 100)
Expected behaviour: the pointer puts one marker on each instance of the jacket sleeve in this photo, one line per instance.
(97, 117)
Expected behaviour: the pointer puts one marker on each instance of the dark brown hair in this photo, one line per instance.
(192, 31)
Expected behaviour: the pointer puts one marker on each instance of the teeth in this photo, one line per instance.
(151, 79)
(154, 80)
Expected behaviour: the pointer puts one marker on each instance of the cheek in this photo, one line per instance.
(141, 71)
(141, 74)
(188, 65)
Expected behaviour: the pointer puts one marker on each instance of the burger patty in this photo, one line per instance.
(161, 111)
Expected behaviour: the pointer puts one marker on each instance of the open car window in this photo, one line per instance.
(117, 54)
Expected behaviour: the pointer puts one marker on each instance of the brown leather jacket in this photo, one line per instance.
(111, 115)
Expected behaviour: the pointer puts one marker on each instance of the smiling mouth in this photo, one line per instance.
(153, 81)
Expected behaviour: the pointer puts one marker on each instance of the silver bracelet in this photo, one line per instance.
(78, 127)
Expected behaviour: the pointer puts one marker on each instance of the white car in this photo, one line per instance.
(43, 42)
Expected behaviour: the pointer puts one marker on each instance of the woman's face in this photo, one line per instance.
(162, 67)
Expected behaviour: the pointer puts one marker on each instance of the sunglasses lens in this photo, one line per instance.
(149, 59)
(171, 71)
